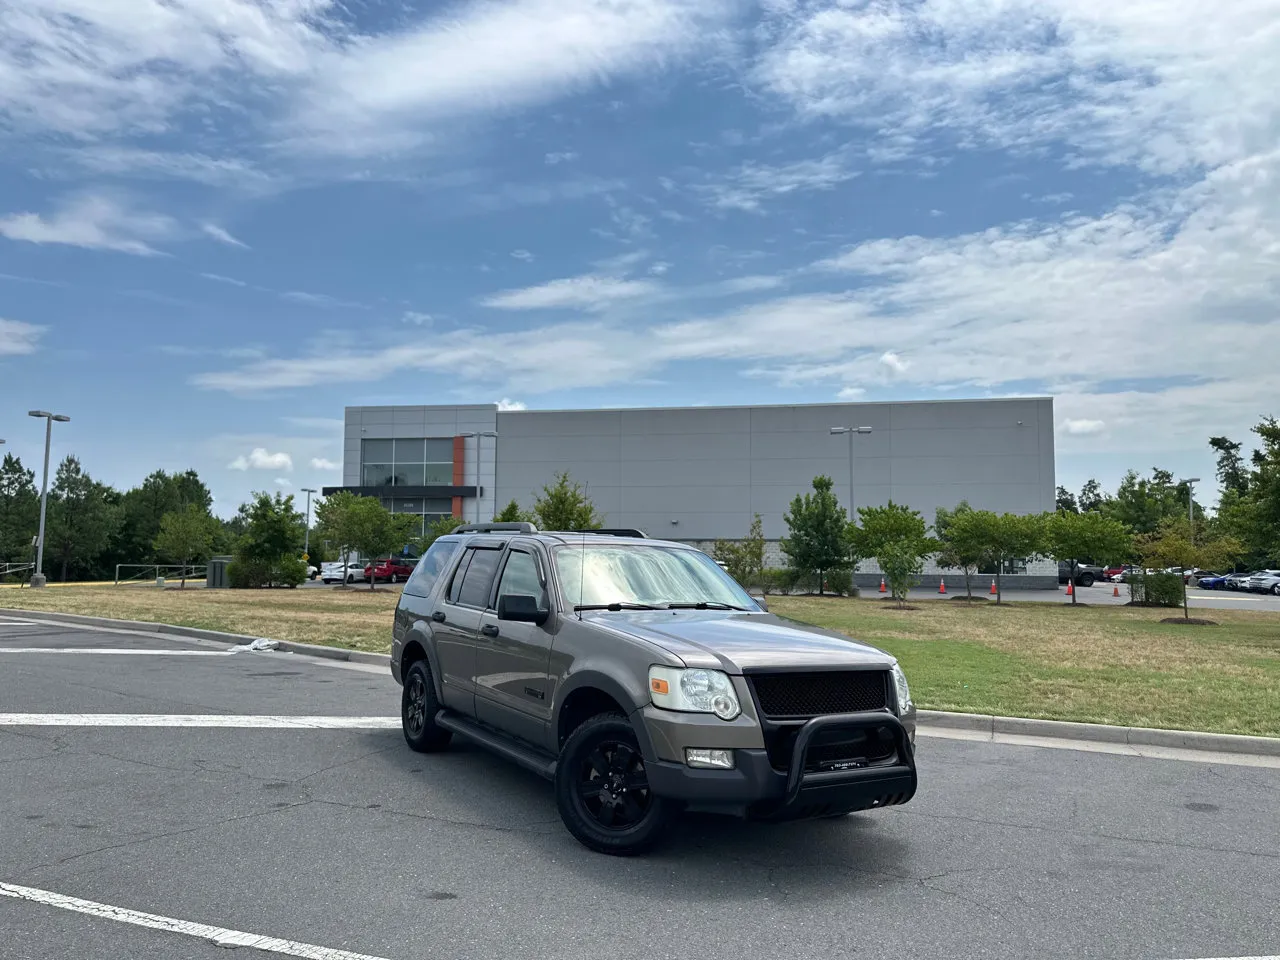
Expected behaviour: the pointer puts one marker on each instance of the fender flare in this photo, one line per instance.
(614, 688)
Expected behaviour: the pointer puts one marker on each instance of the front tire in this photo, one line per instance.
(1276, 590)
(418, 708)
(602, 789)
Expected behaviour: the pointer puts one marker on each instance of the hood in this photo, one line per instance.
(737, 642)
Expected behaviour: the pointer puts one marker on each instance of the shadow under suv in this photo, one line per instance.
(641, 679)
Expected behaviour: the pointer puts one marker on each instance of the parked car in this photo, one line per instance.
(1264, 581)
(1086, 573)
(1237, 581)
(390, 569)
(1111, 573)
(312, 571)
(1216, 581)
(342, 572)
(1126, 573)
(640, 679)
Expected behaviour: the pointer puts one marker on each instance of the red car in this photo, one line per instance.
(391, 569)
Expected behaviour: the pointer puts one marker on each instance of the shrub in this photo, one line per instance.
(246, 574)
(1156, 590)
(289, 572)
(840, 581)
(770, 580)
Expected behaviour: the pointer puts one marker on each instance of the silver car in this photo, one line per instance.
(1265, 581)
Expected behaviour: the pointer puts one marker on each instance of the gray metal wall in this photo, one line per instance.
(699, 473)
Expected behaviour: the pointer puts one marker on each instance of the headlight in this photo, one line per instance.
(904, 692)
(693, 691)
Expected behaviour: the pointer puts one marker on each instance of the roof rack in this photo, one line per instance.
(520, 527)
(604, 532)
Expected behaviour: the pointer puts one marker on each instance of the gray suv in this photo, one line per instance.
(642, 680)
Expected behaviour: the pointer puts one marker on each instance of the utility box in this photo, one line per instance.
(216, 574)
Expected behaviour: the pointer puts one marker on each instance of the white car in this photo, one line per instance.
(338, 572)
(1265, 581)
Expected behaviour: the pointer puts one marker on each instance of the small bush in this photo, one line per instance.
(247, 574)
(840, 581)
(1156, 590)
(289, 572)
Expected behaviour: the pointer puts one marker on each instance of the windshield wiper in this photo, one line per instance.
(615, 606)
(704, 605)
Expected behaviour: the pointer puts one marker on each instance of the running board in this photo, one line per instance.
(497, 743)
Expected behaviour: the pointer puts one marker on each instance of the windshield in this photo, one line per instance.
(605, 573)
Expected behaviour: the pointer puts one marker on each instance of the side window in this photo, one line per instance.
(479, 577)
(455, 588)
(433, 563)
(520, 578)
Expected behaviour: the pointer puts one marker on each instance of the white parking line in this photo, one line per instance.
(196, 720)
(112, 652)
(220, 936)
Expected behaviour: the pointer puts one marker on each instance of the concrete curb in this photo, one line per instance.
(1102, 733)
(216, 636)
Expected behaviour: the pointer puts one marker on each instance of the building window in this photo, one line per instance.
(407, 463)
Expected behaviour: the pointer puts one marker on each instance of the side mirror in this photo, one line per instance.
(760, 602)
(521, 609)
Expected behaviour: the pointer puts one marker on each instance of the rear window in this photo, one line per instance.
(479, 576)
(430, 566)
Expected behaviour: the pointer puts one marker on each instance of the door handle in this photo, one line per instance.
(489, 630)
(438, 616)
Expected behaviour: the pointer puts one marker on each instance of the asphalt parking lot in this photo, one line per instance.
(243, 795)
(1104, 594)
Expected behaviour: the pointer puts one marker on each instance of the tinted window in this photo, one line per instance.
(478, 578)
(520, 578)
(455, 588)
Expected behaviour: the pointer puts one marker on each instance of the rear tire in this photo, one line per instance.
(603, 792)
(1276, 590)
(1086, 580)
(418, 708)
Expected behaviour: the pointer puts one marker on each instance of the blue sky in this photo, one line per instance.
(223, 220)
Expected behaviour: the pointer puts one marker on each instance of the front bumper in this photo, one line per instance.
(806, 788)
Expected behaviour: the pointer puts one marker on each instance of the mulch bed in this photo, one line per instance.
(1190, 621)
(966, 599)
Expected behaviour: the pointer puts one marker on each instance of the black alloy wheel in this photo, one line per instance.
(603, 791)
(418, 709)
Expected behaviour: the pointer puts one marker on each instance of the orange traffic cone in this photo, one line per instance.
(1070, 590)
(942, 586)
(1115, 591)
(882, 584)
(992, 591)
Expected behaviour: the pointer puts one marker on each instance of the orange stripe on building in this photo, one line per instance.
(459, 470)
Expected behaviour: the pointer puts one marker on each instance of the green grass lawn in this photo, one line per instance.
(1096, 664)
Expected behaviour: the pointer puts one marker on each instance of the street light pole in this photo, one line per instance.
(306, 537)
(1191, 507)
(479, 435)
(38, 578)
(851, 431)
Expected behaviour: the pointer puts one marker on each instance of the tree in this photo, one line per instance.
(819, 540)
(269, 551)
(1172, 546)
(437, 528)
(744, 559)
(1066, 501)
(81, 518)
(954, 549)
(512, 513)
(19, 510)
(377, 532)
(1091, 496)
(1088, 536)
(1231, 471)
(1141, 503)
(334, 521)
(898, 538)
(564, 505)
(998, 539)
(143, 507)
(186, 535)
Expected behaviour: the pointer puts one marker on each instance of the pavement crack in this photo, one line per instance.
(341, 763)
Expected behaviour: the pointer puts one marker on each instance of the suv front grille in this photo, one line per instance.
(799, 696)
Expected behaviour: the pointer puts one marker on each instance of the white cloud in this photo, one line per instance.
(96, 222)
(659, 268)
(1082, 428)
(222, 236)
(219, 278)
(323, 463)
(151, 164)
(753, 184)
(851, 393)
(17, 337)
(417, 319)
(894, 362)
(567, 156)
(319, 300)
(283, 482)
(260, 459)
(524, 255)
(587, 292)
(507, 404)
